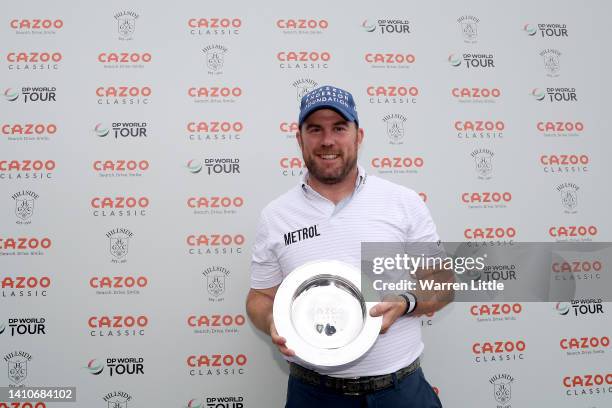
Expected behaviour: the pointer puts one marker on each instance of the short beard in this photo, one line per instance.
(313, 171)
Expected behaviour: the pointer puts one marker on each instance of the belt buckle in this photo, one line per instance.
(352, 393)
(356, 384)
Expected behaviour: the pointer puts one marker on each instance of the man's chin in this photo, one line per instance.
(327, 178)
(330, 180)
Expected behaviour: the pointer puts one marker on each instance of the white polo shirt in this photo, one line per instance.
(302, 226)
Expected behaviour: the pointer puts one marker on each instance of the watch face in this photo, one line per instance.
(321, 312)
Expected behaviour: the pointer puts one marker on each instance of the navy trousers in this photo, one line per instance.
(412, 391)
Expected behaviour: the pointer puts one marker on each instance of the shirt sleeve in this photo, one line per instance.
(265, 268)
(421, 226)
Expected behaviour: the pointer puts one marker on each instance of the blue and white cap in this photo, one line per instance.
(328, 97)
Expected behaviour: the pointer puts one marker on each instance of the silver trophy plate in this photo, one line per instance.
(322, 314)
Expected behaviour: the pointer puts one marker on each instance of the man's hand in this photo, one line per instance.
(259, 306)
(280, 341)
(393, 307)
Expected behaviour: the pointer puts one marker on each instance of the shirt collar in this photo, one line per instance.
(361, 179)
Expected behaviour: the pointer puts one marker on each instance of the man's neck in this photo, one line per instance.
(335, 192)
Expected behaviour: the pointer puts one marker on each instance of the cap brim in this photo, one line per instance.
(338, 110)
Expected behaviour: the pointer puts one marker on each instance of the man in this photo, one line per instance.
(346, 207)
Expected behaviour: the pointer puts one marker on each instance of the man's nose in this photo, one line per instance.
(328, 138)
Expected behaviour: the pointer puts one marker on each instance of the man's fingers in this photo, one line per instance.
(380, 308)
(386, 323)
(286, 351)
(278, 340)
(281, 343)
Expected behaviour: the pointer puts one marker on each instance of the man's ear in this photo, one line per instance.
(360, 135)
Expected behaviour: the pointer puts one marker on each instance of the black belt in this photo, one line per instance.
(351, 386)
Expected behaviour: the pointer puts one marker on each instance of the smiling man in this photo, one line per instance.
(335, 207)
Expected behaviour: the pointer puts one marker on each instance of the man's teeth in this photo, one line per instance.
(328, 156)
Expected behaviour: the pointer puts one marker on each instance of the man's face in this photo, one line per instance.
(329, 145)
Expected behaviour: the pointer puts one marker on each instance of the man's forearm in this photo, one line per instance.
(433, 305)
(259, 309)
(432, 301)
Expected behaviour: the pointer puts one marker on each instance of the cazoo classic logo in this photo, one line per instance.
(20, 170)
(215, 244)
(303, 59)
(392, 94)
(34, 60)
(214, 26)
(117, 325)
(215, 130)
(216, 364)
(123, 95)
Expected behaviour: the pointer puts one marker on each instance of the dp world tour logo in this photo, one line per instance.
(126, 24)
(552, 63)
(387, 26)
(17, 362)
(546, 30)
(483, 160)
(530, 29)
(303, 86)
(101, 130)
(215, 57)
(502, 387)
(469, 28)
(369, 27)
(11, 94)
(220, 401)
(454, 60)
(95, 367)
(569, 197)
(194, 166)
(562, 308)
(538, 94)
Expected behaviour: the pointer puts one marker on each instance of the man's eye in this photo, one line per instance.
(340, 129)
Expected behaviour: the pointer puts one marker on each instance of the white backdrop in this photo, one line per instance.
(196, 94)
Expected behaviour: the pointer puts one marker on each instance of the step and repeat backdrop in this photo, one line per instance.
(140, 141)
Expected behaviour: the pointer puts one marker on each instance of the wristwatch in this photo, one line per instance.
(411, 302)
